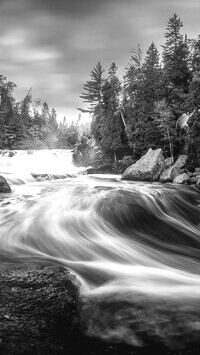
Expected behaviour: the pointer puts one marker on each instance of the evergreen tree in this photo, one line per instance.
(45, 114)
(93, 96)
(174, 40)
(193, 103)
(152, 92)
(25, 115)
(6, 100)
(133, 76)
(176, 66)
(193, 100)
(132, 102)
(53, 120)
(93, 89)
(112, 125)
(196, 56)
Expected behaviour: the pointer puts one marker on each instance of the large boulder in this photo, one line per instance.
(147, 168)
(182, 179)
(181, 161)
(4, 187)
(170, 173)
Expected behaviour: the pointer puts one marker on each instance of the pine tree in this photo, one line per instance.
(112, 125)
(6, 100)
(45, 114)
(25, 115)
(132, 101)
(176, 66)
(93, 89)
(133, 76)
(193, 102)
(53, 120)
(92, 95)
(152, 90)
(196, 56)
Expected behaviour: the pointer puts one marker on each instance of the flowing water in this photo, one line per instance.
(134, 247)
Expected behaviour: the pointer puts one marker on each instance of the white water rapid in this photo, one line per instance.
(134, 247)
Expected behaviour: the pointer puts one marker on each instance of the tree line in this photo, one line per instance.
(157, 104)
(29, 124)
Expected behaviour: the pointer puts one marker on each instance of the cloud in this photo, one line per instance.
(52, 45)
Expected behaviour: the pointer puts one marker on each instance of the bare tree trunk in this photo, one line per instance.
(123, 120)
(170, 146)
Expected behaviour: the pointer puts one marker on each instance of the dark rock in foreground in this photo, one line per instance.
(37, 309)
(39, 316)
(4, 187)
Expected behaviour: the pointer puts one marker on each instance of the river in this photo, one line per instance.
(134, 246)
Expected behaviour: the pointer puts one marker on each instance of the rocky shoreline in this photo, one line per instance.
(154, 167)
(150, 167)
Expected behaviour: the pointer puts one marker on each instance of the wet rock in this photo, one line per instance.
(168, 162)
(181, 161)
(102, 169)
(147, 168)
(197, 185)
(4, 187)
(196, 173)
(193, 179)
(182, 179)
(38, 309)
(169, 174)
(190, 174)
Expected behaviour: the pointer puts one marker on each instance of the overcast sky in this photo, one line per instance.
(52, 45)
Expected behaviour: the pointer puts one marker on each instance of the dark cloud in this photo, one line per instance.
(73, 7)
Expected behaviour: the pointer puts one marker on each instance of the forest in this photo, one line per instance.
(155, 105)
(30, 124)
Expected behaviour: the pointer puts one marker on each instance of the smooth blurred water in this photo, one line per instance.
(135, 247)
